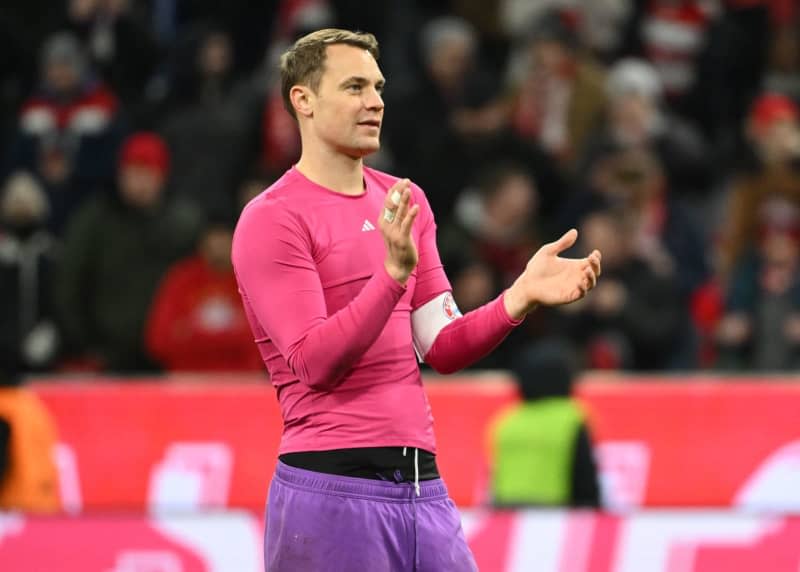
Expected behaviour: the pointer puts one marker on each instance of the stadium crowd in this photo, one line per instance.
(666, 131)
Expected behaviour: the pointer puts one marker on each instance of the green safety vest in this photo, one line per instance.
(534, 446)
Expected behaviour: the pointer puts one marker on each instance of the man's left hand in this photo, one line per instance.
(550, 280)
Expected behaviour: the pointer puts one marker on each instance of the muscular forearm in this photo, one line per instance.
(469, 338)
(332, 347)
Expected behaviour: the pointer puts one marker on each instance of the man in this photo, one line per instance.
(196, 321)
(118, 247)
(541, 448)
(338, 311)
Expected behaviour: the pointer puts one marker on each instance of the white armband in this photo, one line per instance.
(429, 319)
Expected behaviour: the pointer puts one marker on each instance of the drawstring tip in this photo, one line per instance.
(416, 488)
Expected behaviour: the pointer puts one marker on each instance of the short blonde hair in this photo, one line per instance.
(304, 62)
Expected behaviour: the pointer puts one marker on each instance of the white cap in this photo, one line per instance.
(633, 76)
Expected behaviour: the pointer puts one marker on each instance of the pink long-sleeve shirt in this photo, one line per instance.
(332, 326)
(334, 329)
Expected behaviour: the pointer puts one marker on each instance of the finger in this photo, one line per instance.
(393, 199)
(590, 277)
(583, 284)
(563, 243)
(408, 222)
(402, 208)
(595, 259)
(395, 192)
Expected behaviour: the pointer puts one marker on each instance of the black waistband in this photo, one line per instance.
(383, 463)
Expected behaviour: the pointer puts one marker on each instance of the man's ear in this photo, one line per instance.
(302, 99)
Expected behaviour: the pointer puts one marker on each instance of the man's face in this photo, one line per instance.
(61, 77)
(450, 63)
(550, 58)
(604, 233)
(216, 248)
(347, 109)
(215, 55)
(140, 186)
(779, 142)
(633, 117)
(513, 202)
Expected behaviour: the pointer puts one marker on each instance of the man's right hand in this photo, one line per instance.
(395, 222)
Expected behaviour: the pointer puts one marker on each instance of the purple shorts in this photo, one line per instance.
(326, 523)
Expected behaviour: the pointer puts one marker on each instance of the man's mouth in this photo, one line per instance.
(370, 123)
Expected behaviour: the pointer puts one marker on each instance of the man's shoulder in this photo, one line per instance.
(284, 192)
(282, 205)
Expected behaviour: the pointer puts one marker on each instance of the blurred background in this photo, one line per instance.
(654, 425)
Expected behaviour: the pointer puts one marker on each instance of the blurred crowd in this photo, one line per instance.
(666, 131)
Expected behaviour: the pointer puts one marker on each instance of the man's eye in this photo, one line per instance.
(354, 87)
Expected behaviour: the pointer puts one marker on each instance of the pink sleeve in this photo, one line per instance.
(464, 341)
(431, 278)
(272, 257)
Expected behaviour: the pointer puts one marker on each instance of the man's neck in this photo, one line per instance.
(334, 171)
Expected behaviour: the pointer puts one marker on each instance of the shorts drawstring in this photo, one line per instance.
(416, 468)
(414, 505)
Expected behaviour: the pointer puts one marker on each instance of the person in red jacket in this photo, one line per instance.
(196, 321)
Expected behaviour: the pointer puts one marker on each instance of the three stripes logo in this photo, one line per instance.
(367, 226)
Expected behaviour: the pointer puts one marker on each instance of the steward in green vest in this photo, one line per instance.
(541, 449)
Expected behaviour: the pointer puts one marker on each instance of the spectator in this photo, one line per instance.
(495, 223)
(600, 23)
(433, 131)
(116, 252)
(27, 252)
(213, 135)
(116, 36)
(197, 322)
(673, 34)
(728, 73)
(774, 128)
(783, 72)
(637, 320)
(637, 118)
(772, 167)
(494, 230)
(559, 95)
(663, 233)
(541, 448)
(69, 130)
(761, 326)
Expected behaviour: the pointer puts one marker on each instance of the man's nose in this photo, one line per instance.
(373, 100)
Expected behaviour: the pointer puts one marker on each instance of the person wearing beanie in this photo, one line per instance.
(27, 262)
(558, 94)
(116, 251)
(541, 449)
(70, 128)
(770, 167)
(773, 126)
(638, 118)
